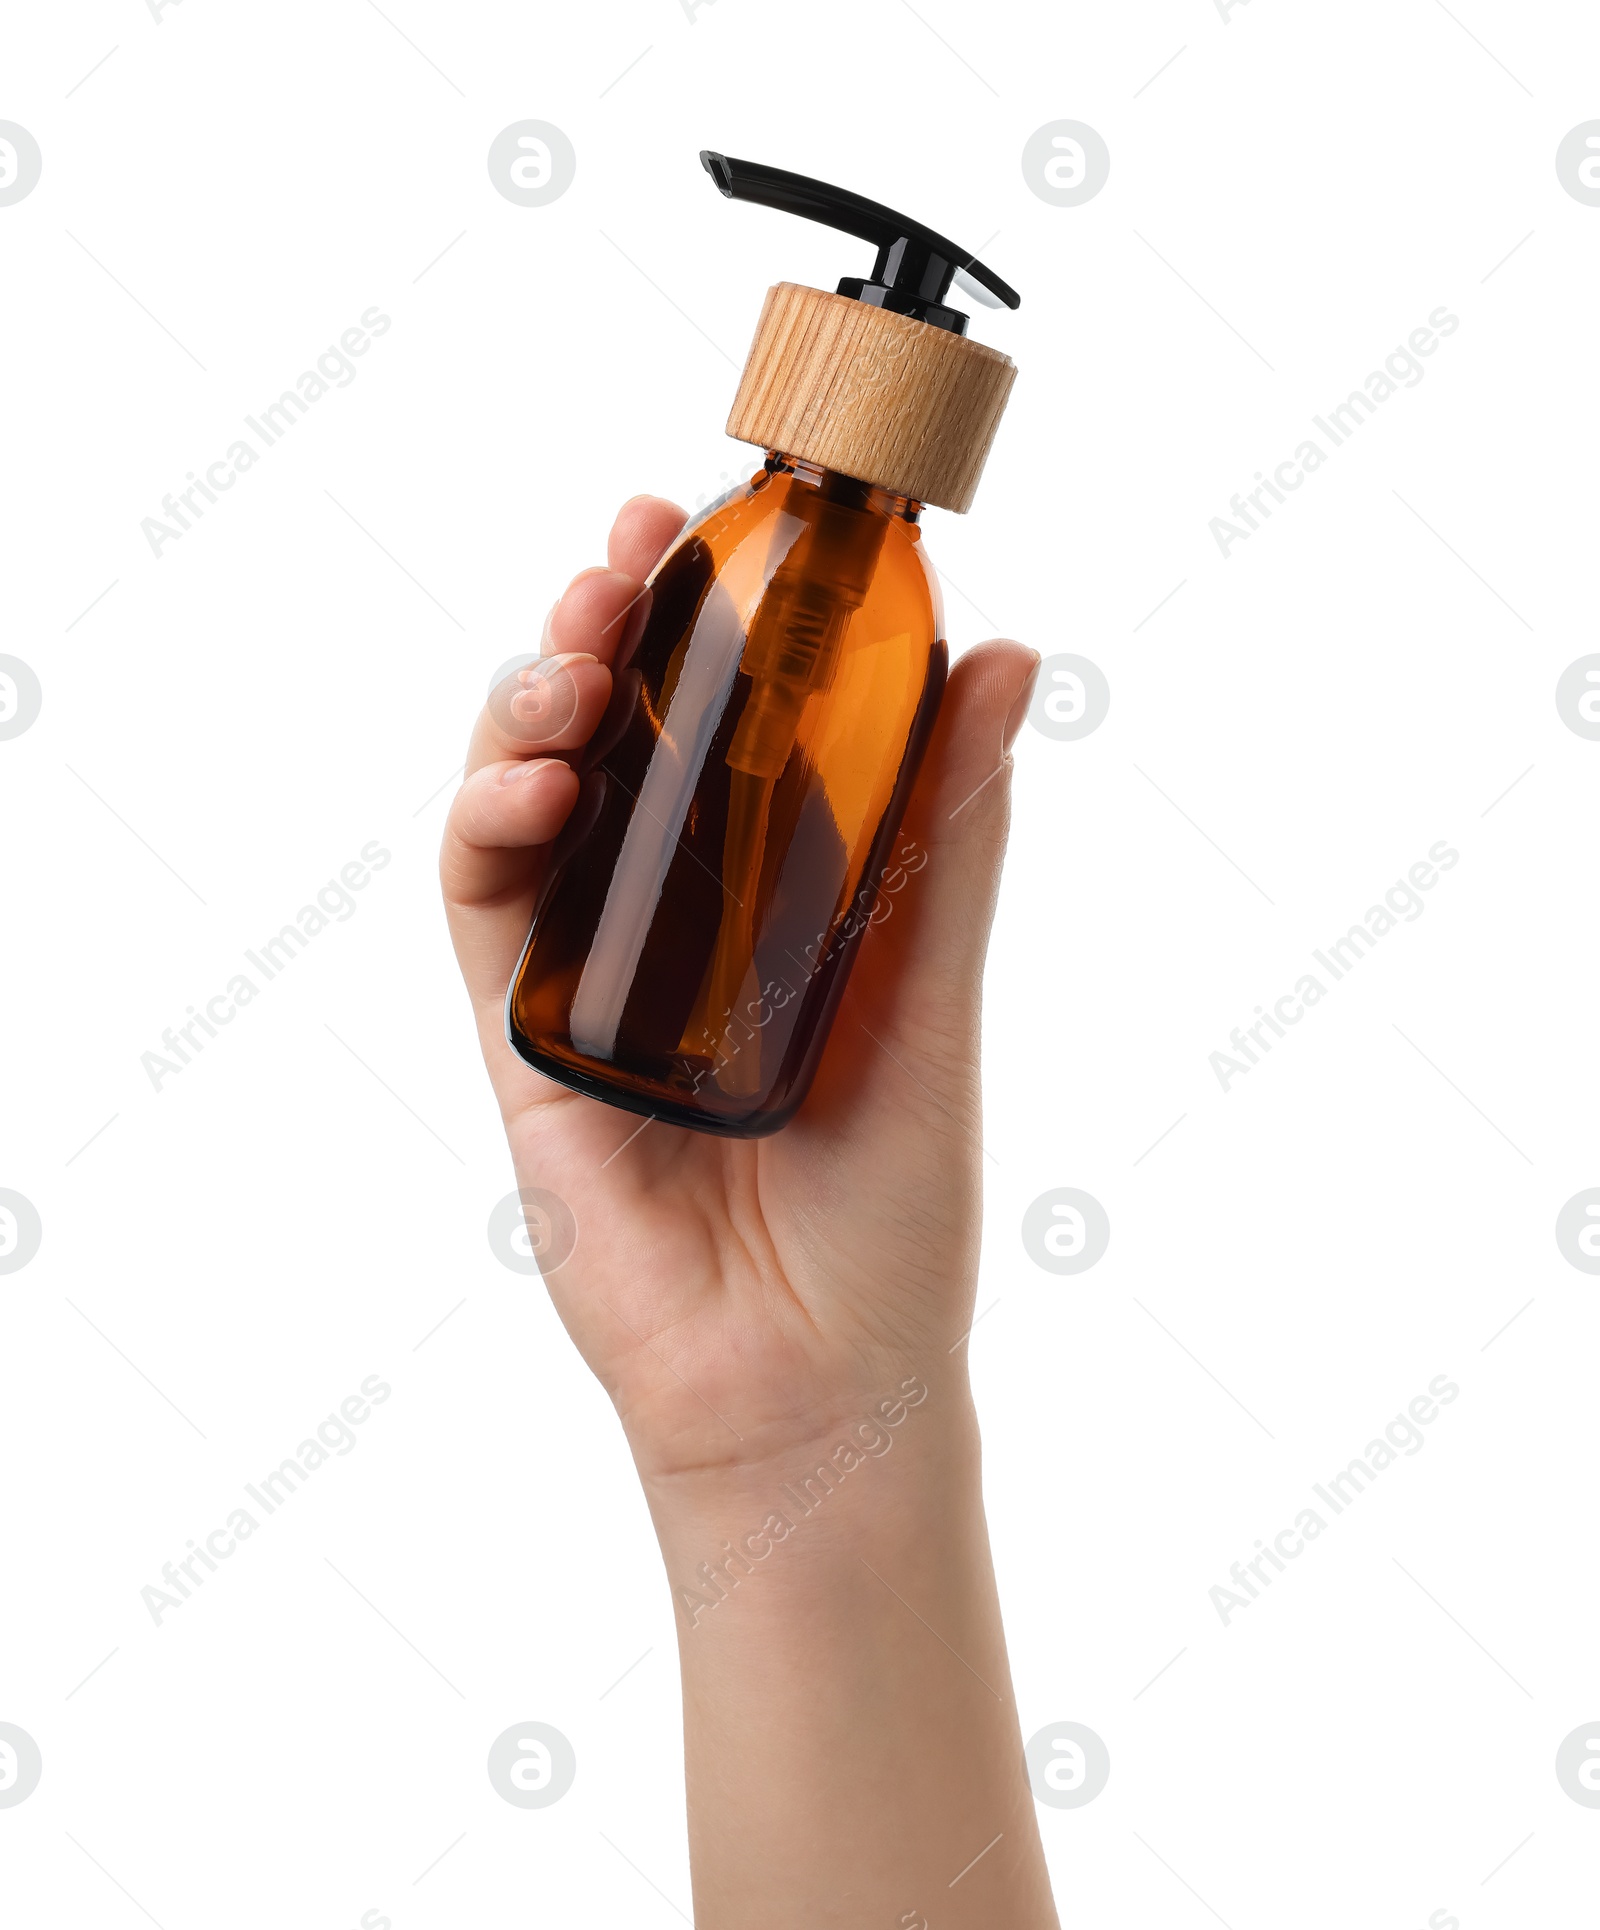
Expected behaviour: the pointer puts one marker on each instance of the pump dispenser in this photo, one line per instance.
(741, 801)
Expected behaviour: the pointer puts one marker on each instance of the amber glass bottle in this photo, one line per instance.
(735, 826)
(739, 805)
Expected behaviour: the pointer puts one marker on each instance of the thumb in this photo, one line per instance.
(919, 975)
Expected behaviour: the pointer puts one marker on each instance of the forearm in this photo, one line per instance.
(852, 1743)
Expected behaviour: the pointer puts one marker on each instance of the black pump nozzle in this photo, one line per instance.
(915, 266)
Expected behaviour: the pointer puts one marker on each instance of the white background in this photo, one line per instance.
(1295, 1260)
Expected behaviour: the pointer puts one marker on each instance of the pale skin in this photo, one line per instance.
(852, 1743)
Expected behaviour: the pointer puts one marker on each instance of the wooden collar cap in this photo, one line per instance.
(878, 396)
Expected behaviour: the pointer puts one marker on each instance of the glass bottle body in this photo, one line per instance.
(739, 806)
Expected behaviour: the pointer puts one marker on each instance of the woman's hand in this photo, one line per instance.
(742, 1299)
(772, 1317)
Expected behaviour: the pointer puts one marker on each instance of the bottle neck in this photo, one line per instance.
(833, 487)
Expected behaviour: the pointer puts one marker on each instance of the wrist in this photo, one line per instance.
(843, 1429)
(903, 1470)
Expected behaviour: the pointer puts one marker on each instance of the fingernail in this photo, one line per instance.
(519, 771)
(1019, 704)
(563, 613)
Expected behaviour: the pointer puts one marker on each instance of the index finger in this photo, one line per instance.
(589, 621)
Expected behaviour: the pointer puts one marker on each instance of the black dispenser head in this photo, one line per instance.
(915, 266)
